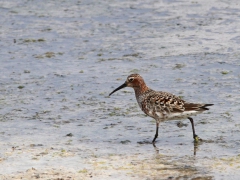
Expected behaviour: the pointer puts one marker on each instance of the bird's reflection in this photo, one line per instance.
(195, 147)
(156, 148)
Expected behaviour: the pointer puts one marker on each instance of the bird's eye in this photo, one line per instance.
(130, 79)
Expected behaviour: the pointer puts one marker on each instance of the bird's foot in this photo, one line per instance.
(197, 139)
(153, 141)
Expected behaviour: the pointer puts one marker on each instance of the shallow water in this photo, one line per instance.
(61, 59)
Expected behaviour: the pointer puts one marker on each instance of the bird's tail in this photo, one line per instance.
(196, 107)
(204, 107)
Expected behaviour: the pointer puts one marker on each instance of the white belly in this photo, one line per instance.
(182, 115)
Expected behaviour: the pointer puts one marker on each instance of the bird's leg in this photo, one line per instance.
(156, 135)
(195, 137)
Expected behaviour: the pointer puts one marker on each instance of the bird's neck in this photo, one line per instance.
(141, 89)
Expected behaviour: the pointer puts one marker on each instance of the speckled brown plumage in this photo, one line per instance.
(160, 105)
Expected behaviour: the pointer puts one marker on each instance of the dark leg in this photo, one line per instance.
(195, 137)
(156, 135)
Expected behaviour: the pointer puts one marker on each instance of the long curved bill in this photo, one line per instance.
(120, 87)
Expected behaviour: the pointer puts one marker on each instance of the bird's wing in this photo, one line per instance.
(173, 103)
(163, 102)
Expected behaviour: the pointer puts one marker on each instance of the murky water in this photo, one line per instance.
(61, 59)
